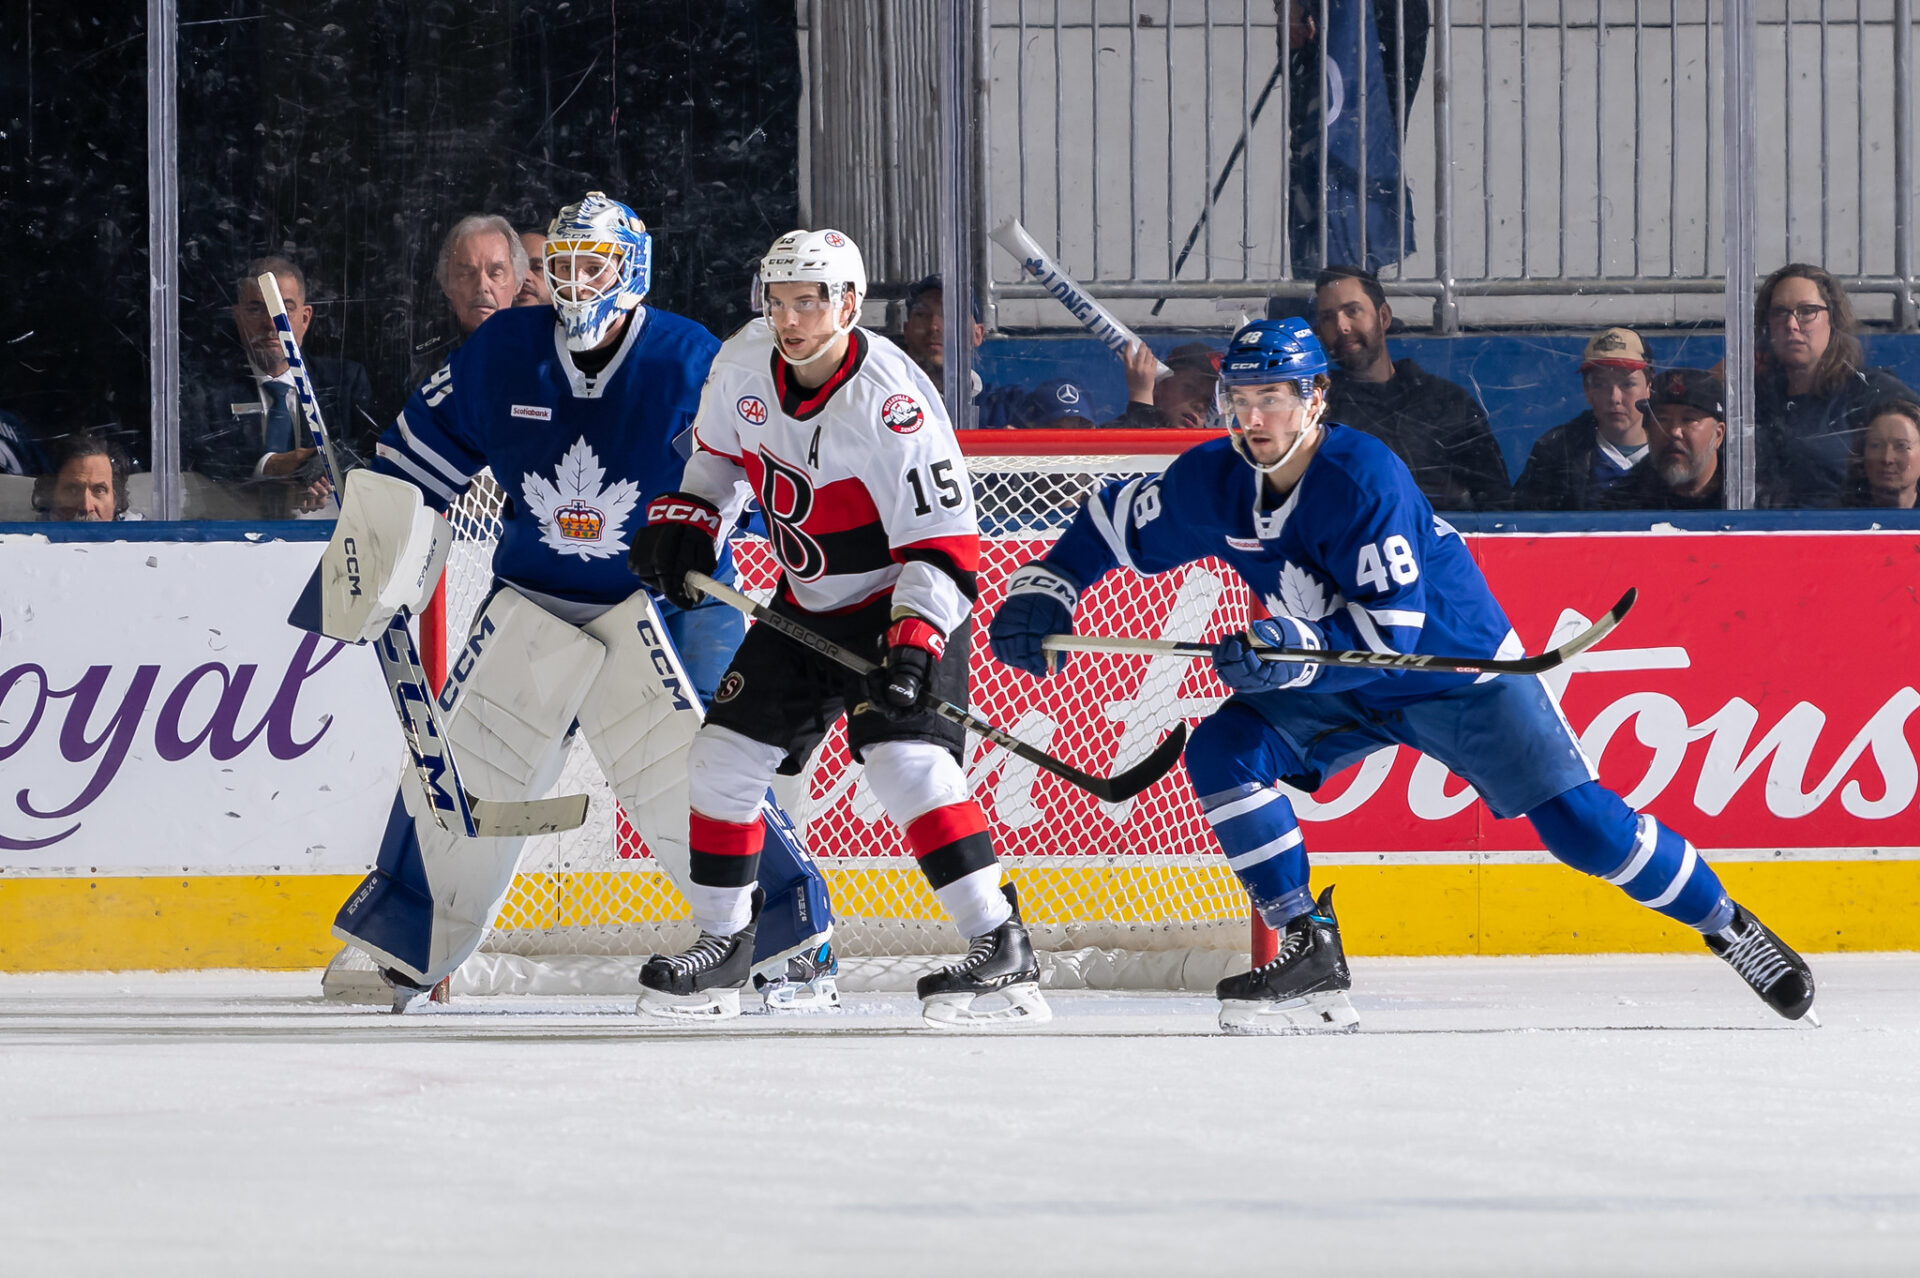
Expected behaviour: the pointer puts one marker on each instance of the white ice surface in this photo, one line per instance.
(1604, 1116)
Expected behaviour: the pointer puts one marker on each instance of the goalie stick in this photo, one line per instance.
(400, 666)
(1337, 657)
(1114, 789)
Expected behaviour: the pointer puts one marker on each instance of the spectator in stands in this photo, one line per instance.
(1057, 405)
(1682, 470)
(1183, 401)
(533, 287)
(924, 332)
(1574, 463)
(1811, 386)
(482, 264)
(1887, 473)
(250, 432)
(1436, 427)
(86, 481)
(19, 451)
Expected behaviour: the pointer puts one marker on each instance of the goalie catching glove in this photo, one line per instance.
(902, 682)
(1040, 602)
(682, 535)
(1236, 657)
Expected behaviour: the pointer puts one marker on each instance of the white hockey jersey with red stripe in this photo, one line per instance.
(857, 478)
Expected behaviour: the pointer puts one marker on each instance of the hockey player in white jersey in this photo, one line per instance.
(870, 514)
(582, 411)
(1325, 524)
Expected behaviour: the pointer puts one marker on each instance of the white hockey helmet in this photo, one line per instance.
(598, 264)
(825, 257)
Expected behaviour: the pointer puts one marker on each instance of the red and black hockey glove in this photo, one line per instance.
(680, 537)
(903, 683)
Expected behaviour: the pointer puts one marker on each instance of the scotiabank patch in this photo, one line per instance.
(753, 409)
(531, 411)
(902, 414)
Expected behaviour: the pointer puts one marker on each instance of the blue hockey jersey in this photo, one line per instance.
(579, 457)
(1354, 548)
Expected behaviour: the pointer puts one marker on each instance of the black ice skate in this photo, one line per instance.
(1780, 977)
(1304, 987)
(806, 982)
(999, 965)
(703, 981)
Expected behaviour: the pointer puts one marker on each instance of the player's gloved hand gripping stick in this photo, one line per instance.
(1115, 789)
(335, 603)
(1346, 657)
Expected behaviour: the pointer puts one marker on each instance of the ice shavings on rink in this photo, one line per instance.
(1493, 1116)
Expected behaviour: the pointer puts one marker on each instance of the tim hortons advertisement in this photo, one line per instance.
(1760, 697)
(157, 714)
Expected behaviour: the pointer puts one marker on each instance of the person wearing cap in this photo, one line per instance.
(923, 333)
(1573, 465)
(1438, 429)
(1056, 405)
(1682, 468)
(1183, 401)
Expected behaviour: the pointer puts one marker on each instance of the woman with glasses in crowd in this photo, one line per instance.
(1813, 391)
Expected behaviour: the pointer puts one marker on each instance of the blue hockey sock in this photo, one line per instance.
(1233, 761)
(1593, 830)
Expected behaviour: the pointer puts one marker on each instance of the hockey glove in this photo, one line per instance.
(903, 683)
(680, 535)
(1236, 661)
(1039, 603)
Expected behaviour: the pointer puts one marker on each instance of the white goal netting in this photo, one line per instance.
(1119, 895)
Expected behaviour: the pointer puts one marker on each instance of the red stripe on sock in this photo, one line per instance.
(934, 830)
(725, 838)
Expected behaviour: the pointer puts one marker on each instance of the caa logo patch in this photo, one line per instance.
(753, 409)
(731, 686)
(834, 239)
(901, 414)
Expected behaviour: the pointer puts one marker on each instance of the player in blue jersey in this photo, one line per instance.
(583, 412)
(1326, 527)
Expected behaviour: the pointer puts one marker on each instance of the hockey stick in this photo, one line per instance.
(1114, 789)
(1226, 172)
(1387, 660)
(1093, 317)
(406, 681)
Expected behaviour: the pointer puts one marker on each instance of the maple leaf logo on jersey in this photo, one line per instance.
(577, 516)
(1301, 595)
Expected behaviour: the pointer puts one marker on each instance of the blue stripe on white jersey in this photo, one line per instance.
(1354, 549)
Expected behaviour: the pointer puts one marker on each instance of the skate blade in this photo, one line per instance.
(1022, 1006)
(1324, 1013)
(708, 1005)
(822, 995)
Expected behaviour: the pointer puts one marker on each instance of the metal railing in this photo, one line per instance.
(1552, 148)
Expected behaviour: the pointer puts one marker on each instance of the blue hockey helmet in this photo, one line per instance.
(1268, 351)
(599, 265)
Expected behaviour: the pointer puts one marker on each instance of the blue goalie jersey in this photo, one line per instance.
(1354, 548)
(579, 457)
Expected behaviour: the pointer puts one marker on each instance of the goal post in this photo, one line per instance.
(1129, 895)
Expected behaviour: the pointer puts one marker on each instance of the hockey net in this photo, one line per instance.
(1129, 895)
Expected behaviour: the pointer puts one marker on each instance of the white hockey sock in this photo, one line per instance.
(720, 910)
(974, 902)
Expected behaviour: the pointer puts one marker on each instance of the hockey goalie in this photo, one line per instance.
(580, 410)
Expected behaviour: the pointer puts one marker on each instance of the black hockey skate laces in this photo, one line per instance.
(978, 953)
(1757, 959)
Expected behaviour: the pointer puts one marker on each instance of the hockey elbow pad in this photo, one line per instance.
(1237, 659)
(682, 535)
(1040, 602)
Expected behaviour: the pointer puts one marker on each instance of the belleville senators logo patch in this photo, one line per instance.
(753, 409)
(731, 686)
(901, 414)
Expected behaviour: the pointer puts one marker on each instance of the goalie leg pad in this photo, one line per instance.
(386, 554)
(642, 721)
(512, 697)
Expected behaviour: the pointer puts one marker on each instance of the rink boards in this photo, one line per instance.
(188, 782)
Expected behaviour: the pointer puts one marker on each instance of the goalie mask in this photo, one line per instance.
(1268, 353)
(599, 265)
(826, 258)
